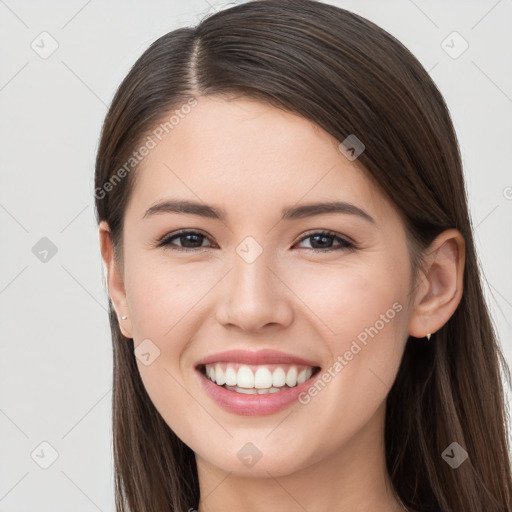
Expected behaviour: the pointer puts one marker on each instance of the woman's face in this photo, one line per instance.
(252, 281)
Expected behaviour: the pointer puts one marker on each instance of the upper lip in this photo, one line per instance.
(266, 356)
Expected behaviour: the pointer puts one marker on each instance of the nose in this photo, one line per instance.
(255, 296)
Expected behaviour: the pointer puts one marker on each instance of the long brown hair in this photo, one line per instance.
(350, 77)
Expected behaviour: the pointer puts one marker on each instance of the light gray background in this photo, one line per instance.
(55, 359)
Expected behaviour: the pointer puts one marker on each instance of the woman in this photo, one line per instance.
(295, 301)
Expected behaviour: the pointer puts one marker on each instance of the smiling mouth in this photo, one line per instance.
(257, 379)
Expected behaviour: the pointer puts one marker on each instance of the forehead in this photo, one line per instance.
(246, 154)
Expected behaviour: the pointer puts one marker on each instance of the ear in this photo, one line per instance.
(440, 291)
(115, 282)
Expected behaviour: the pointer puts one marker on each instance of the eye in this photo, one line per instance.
(192, 240)
(322, 240)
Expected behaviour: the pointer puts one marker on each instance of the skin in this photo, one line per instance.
(252, 160)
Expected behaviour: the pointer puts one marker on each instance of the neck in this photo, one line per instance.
(352, 478)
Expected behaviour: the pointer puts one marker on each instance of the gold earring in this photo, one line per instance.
(428, 337)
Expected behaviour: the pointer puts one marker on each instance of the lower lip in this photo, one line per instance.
(254, 405)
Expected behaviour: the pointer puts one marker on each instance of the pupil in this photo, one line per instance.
(324, 238)
(191, 235)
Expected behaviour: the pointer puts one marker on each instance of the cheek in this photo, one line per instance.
(347, 299)
(161, 295)
(360, 313)
(165, 300)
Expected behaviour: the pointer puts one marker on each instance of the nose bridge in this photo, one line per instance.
(253, 295)
(252, 282)
(251, 272)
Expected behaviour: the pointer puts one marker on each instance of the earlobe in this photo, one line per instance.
(441, 291)
(115, 282)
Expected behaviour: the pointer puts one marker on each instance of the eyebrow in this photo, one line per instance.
(291, 213)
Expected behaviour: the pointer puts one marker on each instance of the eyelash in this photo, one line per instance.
(345, 244)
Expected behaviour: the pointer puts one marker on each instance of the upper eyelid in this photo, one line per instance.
(177, 234)
(182, 232)
(324, 232)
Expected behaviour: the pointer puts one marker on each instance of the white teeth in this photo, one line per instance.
(246, 391)
(255, 391)
(245, 377)
(220, 379)
(230, 376)
(278, 378)
(291, 376)
(262, 380)
(302, 377)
